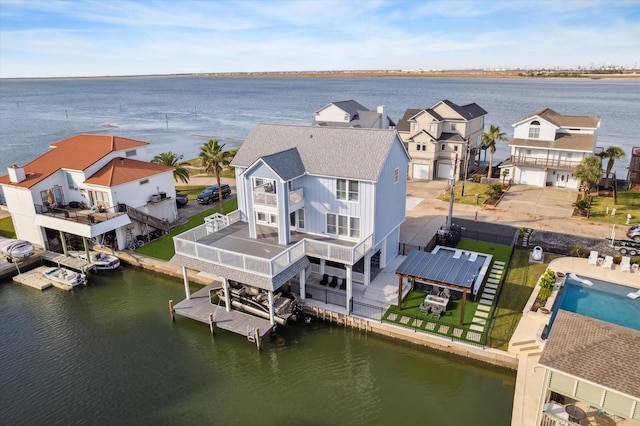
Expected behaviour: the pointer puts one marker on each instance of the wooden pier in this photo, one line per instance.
(200, 308)
(67, 261)
(36, 279)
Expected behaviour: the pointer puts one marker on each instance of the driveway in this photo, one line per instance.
(548, 202)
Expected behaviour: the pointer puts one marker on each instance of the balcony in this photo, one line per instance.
(228, 244)
(544, 163)
(80, 221)
(264, 197)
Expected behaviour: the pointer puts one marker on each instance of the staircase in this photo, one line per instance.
(147, 219)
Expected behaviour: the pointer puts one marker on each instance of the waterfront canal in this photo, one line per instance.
(109, 353)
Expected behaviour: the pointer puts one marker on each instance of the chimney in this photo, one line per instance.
(16, 174)
(384, 120)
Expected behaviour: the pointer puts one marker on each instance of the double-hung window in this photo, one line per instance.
(347, 190)
(344, 226)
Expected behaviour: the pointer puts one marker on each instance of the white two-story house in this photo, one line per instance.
(89, 186)
(547, 146)
(352, 114)
(442, 138)
(312, 201)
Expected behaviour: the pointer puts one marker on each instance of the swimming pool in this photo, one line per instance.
(602, 300)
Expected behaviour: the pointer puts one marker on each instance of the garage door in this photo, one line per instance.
(444, 171)
(421, 171)
(529, 177)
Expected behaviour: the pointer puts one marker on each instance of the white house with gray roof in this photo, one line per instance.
(547, 146)
(352, 114)
(312, 202)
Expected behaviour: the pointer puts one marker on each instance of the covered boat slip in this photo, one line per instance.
(200, 308)
(68, 261)
(462, 273)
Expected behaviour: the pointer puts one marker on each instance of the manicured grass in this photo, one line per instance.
(163, 248)
(628, 203)
(6, 227)
(470, 191)
(192, 191)
(517, 286)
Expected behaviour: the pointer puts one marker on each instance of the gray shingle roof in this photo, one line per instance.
(468, 112)
(323, 151)
(596, 351)
(287, 164)
(352, 107)
(559, 120)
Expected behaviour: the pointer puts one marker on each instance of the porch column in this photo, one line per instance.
(348, 277)
(400, 277)
(86, 249)
(185, 279)
(272, 318)
(63, 241)
(284, 228)
(464, 300)
(303, 284)
(227, 294)
(367, 268)
(322, 265)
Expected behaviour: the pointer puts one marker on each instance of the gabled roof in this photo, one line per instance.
(562, 142)
(403, 123)
(359, 116)
(349, 153)
(123, 170)
(465, 112)
(351, 107)
(75, 153)
(287, 164)
(594, 350)
(567, 121)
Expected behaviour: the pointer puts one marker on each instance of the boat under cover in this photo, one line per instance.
(101, 261)
(15, 249)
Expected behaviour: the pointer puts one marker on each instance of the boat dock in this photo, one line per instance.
(35, 278)
(200, 308)
(67, 261)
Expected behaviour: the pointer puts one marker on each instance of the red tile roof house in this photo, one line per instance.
(86, 186)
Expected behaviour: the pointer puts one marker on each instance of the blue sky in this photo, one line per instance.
(118, 37)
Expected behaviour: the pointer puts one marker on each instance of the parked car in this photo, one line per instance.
(634, 233)
(210, 194)
(181, 199)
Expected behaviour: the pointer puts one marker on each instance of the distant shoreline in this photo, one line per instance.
(520, 74)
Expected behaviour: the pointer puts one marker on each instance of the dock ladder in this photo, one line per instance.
(251, 334)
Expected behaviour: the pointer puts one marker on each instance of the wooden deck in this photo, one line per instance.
(199, 306)
(67, 261)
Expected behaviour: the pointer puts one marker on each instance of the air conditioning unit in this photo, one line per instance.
(155, 198)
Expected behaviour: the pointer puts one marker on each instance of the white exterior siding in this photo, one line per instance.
(334, 114)
(547, 130)
(391, 196)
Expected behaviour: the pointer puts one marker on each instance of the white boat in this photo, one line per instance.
(65, 277)
(101, 261)
(252, 300)
(15, 249)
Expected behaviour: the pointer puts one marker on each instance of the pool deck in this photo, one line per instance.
(526, 339)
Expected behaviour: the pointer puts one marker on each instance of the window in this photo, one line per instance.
(69, 180)
(344, 226)
(130, 153)
(432, 128)
(534, 132)
(301, 219)
(331, 223)
(346, 116)
(414, 127)
(453, 127)
(257, 182)
(266, 218)
(442, 147)
(99, 199)
(396, 175)
(424, 147)
(347, 189)
(455, 148)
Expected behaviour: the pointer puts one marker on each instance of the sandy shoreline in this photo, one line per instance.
(631, 75)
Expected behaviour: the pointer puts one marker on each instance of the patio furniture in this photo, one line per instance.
(575, 413)
(593, 258)
(334, 282)
(343, 285)
(436, 311)
(457, 254)
(473, 257)
(324, 280)
(625, 264)
(608, 262)
(556, 410)
(446, 293)
(424, 308)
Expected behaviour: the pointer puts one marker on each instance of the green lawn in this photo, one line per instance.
(6, 227)
(628, 203)
(163, 249)
(517, 286)
(411, 304)
(470, 191)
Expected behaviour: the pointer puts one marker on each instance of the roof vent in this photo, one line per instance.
(16, 174)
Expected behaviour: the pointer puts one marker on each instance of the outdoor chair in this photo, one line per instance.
(435, 291)
(593, 258)
(424, 308)
(324, 280)
(625, 264)
(334, 282)
(446, 293)
(343, 285)
(608, 262)
(436, 311)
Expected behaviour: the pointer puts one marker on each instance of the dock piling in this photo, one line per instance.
(211, 324)
(171, 310)
(258, 341)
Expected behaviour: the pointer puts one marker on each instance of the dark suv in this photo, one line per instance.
(210, 194)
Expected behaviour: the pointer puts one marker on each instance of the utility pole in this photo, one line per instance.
(466, 164)
(452, 192)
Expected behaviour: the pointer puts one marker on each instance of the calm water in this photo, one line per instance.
(109, 354)
(180, 114)
(596, 302)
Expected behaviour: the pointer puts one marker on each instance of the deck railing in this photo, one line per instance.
(85, 216)
(544, 162)
(271, 198)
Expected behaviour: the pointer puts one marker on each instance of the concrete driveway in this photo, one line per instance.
(548, 202)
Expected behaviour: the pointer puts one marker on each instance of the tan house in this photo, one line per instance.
(442, 138)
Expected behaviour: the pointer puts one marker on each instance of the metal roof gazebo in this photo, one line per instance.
(441, 270)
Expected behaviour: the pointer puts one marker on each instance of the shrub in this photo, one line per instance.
(578, 250)
(548, 279)
(476, 177)
(544, 294)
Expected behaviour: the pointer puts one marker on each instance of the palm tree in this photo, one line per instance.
(489, 140)
(213, 159)
(613, 153)
(171, 159)
(589, 171)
